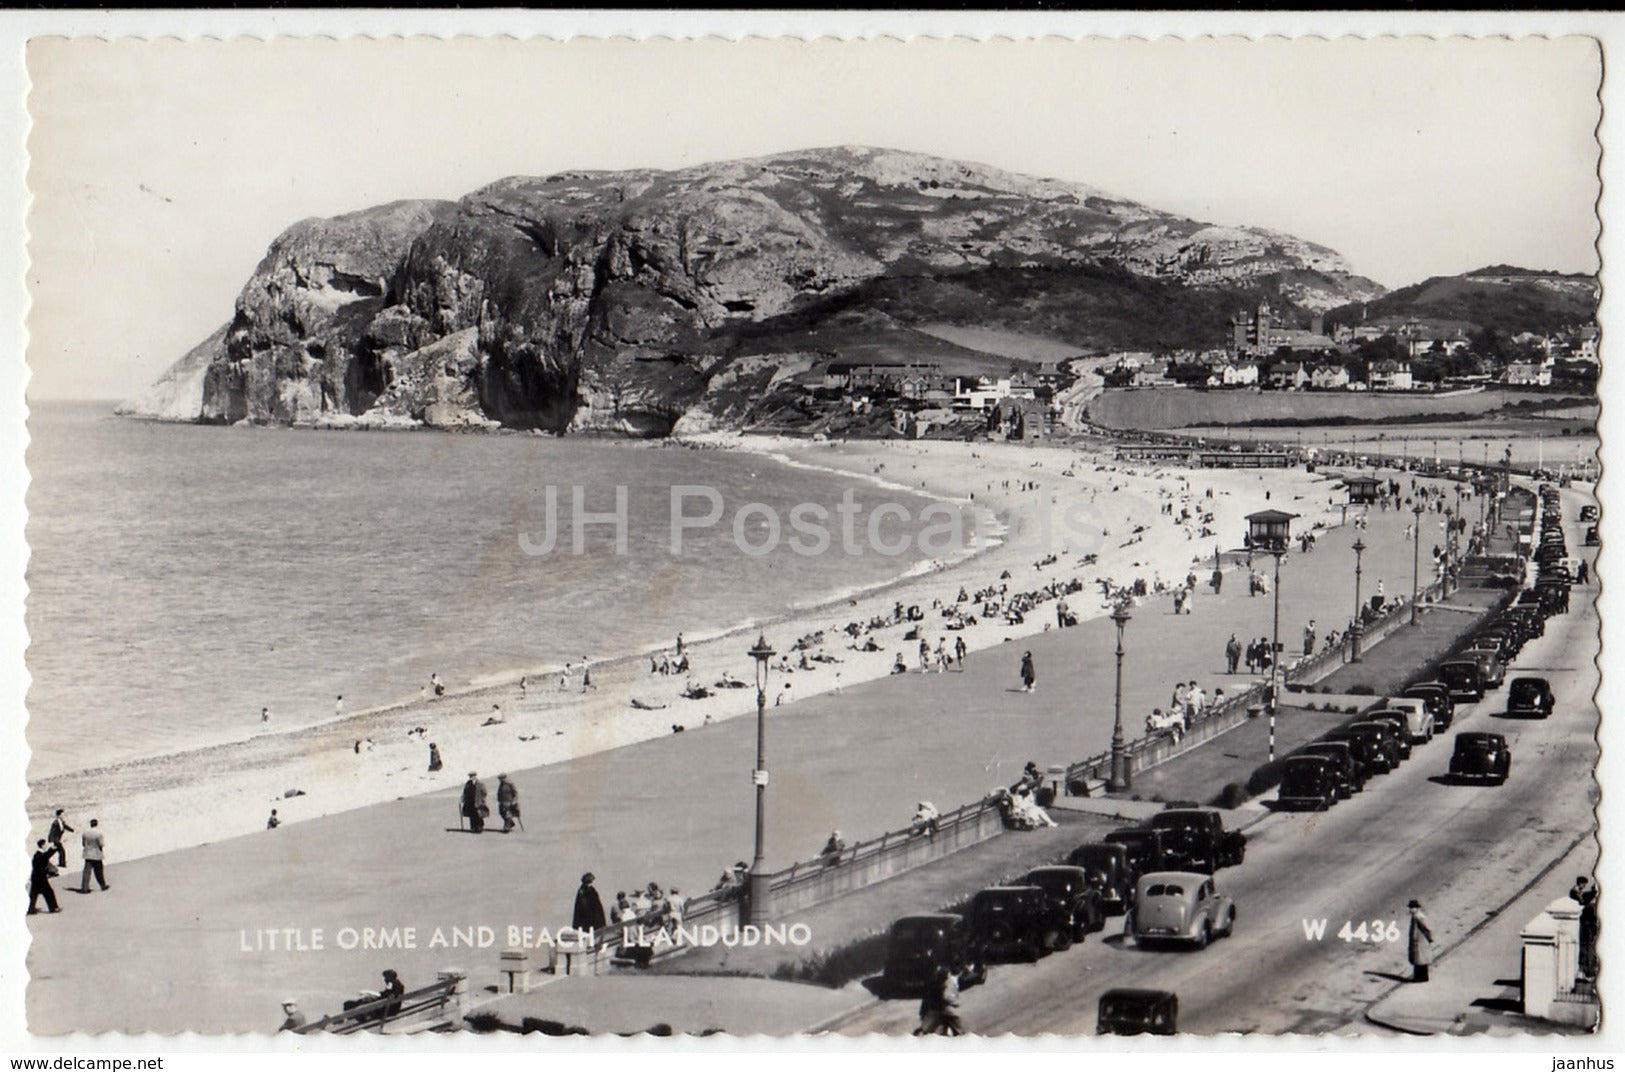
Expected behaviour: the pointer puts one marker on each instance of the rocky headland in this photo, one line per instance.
(627, 302)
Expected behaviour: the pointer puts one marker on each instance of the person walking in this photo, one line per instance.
(434, 757)
(1585, 893)
(59, 827)
(474, 806)
(1421, 943)
(1309, 638)
(939, 1007)
(1232, 654)
(1582, 573)
(508, 803)
(95, 850)
(960, 649)
(1029, 676)
(589, 907)
(39, 878)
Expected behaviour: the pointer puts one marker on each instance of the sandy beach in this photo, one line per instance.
(1118, 533)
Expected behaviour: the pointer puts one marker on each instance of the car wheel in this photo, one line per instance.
(1204, 935)
(1229, 924)
(1060, 939)
(1035, 948)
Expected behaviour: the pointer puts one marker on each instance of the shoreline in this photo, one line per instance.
(174, 800)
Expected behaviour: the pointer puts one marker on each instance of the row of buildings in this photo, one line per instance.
(928, 384)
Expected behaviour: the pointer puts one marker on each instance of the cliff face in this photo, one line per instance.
(604, 301)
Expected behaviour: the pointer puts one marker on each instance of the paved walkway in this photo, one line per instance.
(1474, 988)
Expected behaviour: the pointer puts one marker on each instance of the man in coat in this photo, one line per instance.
(95, 850)
(59, 829)
(474, 806)
(1585, 894)
(1421, 945)
(39, 878)
(507, 802)
(589, 910)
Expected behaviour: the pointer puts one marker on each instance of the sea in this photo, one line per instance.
(182, 577)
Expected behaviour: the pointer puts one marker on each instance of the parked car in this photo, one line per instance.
(1418, 719)
(1592, 539)
(1132, 1011)
(1145, 848)
(1307, 783)
(1491, 669)
(922, 945)
(1013, 922)
(1393, 729)
(1180, 906)
(1436, 694)
(1529, 697)
(1197, 837)
(1369, 748)
(1481, 756)
(1351, 773)
(1109, 872)
(1588, 512)
(1073, 899)
(1465, 681)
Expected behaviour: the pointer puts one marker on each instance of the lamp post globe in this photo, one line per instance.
(760, 889)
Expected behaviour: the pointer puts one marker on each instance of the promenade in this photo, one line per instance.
(180, 941)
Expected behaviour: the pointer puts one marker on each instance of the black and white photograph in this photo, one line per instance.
(1088, 536)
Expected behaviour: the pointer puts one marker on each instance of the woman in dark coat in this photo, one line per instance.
(1028, 676)
(589, 910)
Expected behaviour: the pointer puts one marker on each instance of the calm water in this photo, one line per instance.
(183, 577)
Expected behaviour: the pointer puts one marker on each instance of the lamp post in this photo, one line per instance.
(1358, 630)
(760, 882)
(1120, 777)
(1416, 560)
(1271, 531)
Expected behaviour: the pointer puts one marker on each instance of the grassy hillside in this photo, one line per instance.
(1509, 300)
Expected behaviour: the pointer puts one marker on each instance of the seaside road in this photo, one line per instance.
(164, 951)
(1464, 850)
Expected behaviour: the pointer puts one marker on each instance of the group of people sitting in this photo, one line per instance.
(1018, 805)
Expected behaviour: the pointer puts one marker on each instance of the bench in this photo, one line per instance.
(424, 1008)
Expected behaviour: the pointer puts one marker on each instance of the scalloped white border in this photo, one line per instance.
(17, 27)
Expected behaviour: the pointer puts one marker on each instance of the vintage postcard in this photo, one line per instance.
(1081, 535)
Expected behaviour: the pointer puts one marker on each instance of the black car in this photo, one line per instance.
(1368, 747)
(1132, 1011)
(1073, 898)
(1436, 694)
(1588, 512)
(1109, 872)
(1481, 756)
(921, 946)
(1592, 539)
(1351, 773)
(1464, 678)
(1529, 697)
(1394, 736)
(1145, 849)
(1197, 839)
(1013, 923)
(1308, 783)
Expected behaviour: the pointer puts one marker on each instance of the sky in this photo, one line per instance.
(161, 170)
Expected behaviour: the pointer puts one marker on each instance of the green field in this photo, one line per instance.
(1166, 408)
